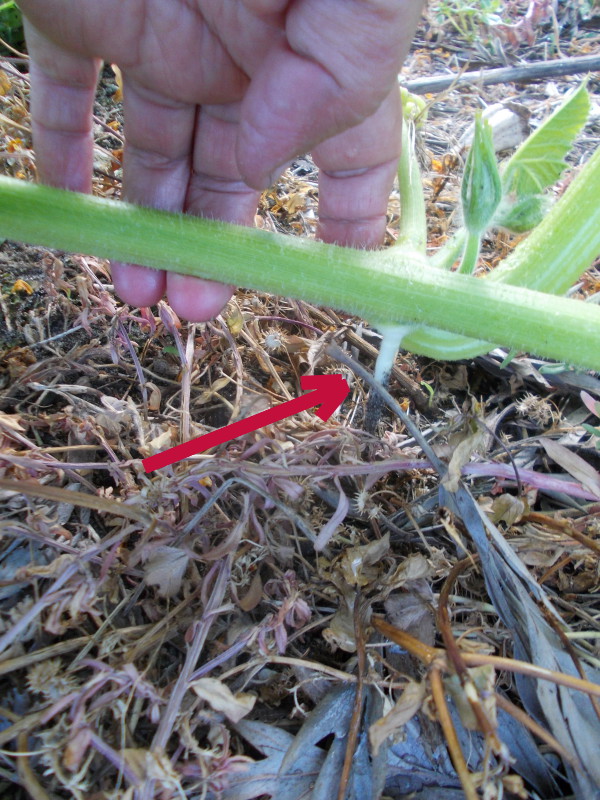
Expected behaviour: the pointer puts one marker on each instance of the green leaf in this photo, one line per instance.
(539, 162)
(595, 433)
(481, 190)
(523, 214)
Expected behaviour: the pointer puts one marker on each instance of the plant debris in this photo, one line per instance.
(179, 634)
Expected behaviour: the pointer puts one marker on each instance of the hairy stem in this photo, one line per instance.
(551, 259)
(386, 287)
(470, 254)
(413, 222)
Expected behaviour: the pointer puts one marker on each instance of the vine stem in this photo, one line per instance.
(392, 286)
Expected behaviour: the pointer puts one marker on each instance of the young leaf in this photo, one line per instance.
(539, 162)
(481, 190)
(523, 214)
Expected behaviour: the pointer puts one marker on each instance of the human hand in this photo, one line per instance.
(219, 95)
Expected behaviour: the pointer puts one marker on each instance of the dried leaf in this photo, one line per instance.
(160, 442)
(165, 568)
(76, 748)
(331, 716)
(574, 465)
(216, 387)
(254, 594)
(147, 765)
(20, 285)
(484, 679)
(592, 405)
(412, 568)
(507, 508)
(5, 84)
(234, 319)
(263, 777)
(11, 422)
(154, 397)
(358, 565)
(340, 631)
(51, 570)
(118, 95)
(406, 707)
(221, 698)
(412, 611)
(461, 455)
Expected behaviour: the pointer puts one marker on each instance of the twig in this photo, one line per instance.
(58, 495)
(354, 728)
(30, 783)
(53, 651)
(521, 74)
(136, 363)
(523, 668)
(289, 661)
(18, 53)
(535, 728)
(239, 367)
(19, 724)
(564, 526)
(455, 656)
(445, 720)
(428, 655)
(339, 355)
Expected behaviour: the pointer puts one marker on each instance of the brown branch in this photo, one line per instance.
(445, 720)
(522, 74)
(564, 526)
(27, 776)
(535, 728)
(428, 654)
(455, 657)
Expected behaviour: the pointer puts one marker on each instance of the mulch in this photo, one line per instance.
(178, 634)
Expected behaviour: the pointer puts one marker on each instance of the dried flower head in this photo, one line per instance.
(536, 409)
(50, 679)
(275, 340)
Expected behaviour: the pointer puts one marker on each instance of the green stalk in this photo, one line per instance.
(413, 220)
(470, 254)
(554, 255)
(412, 235)
(445, 257)
(389, 286)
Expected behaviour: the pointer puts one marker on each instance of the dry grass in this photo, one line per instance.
(178, 635)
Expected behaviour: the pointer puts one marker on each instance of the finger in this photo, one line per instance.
(156, 171)
(357, 171)
(340, 61)
(62, 97)
(217, 191)
(290, 106)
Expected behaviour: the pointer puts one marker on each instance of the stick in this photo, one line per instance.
(521, 74)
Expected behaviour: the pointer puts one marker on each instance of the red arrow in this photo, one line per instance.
(330, 391)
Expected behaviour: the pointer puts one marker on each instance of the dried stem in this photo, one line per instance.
(445, 720)
(354, 729)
